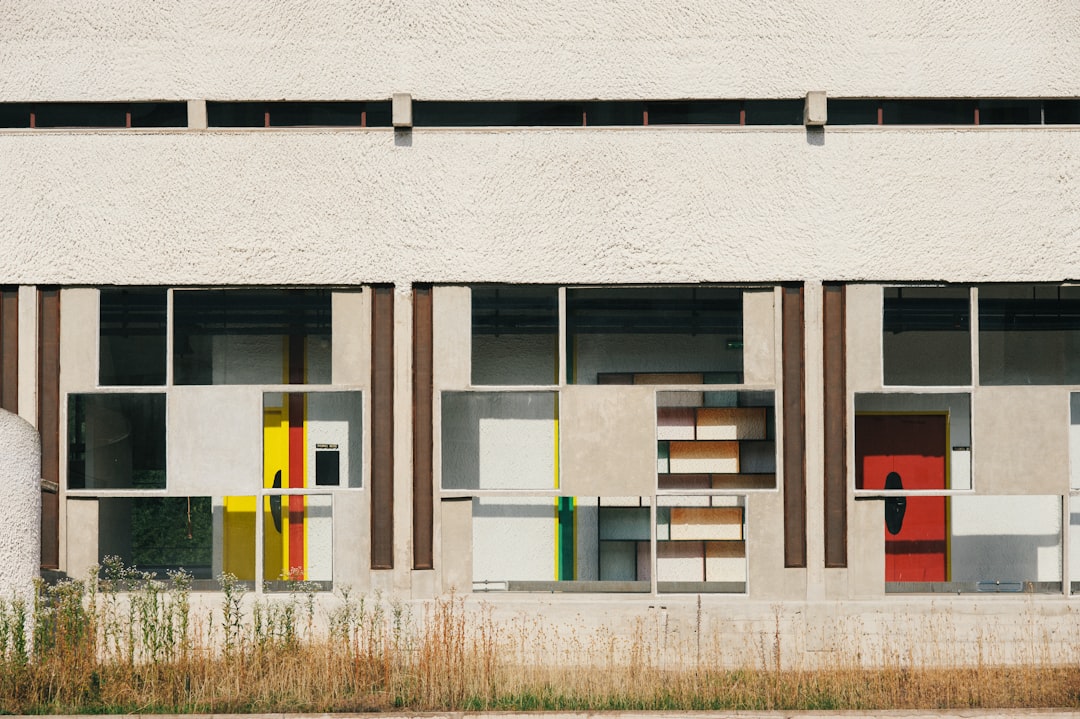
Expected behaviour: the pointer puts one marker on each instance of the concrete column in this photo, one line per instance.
(28, 344)
(20, 532)
(815, 442)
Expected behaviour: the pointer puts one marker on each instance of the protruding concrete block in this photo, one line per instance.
(196, 115)
(20, 532)
(401, 109)
(815, 113)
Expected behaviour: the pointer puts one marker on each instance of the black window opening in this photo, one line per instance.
(133, 331)
(116, 441)
(515, 335)
(926, 336)
(1016, 111)
(298, 114)
(1029, 335)
(654, 335)
(251, 337)
(117, 115)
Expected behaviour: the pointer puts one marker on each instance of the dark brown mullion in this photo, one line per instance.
(9, 349)
(423, 489)
(382, 428)
(794, 460)
(49, 423)
(835, 403)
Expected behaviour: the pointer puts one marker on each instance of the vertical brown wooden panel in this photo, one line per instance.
(49, 423)
(423, 497)
(835, 402)
(794, 373)
(382, 428)
(9, 349)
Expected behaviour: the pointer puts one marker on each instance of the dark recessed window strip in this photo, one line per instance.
(593, 113)
(93, 114)
(298, 114)
(954, 112)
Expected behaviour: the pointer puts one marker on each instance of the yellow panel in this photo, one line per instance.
(238, 538)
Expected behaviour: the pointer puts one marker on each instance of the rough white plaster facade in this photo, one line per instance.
(20, 533)
(574, 206)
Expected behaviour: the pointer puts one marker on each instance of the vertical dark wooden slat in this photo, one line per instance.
(423, 490)
(382, 428)
(49, 422)
(835, 403)
(794, 373)
(9, 349)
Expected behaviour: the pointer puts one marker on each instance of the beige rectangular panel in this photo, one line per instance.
(697, 457)
(706, 523)
(731, 423)
(607, 437)
(215, 442)
(456, 522)
(1020, 440)
(451, 338)
(79, 321)
(352, 540)
(863, 307)
(82, 536)
(725, 561)
(766, 576)
(866, 548)
(759, 336)
(675, 423)
(351, 341)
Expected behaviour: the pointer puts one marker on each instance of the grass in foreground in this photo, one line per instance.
(130, 644)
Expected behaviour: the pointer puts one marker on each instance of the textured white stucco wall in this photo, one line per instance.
(572, 205)
(20, 532)
(436, 49)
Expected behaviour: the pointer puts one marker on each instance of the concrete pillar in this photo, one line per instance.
(20, 532)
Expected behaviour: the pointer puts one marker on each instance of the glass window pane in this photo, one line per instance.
(774, 112)
(326, 114)
(159, 114)
(1074, 443)
(1062, 112)
(116, 441)
(926, 336)
(1010, 112)
(701, 112)
(925, 439)
(236, 114)
(251, 336)
(853, 112)
(298, 538)
(563, 544)
(677, 335)
(159, 535)
(132, 346)
(614, 113)
(515, 336)
(81, 114)
(715, 440)
(1029, 334)
(928, 112)
(312, 439)
(499, 440)
(14, 114)
(701, 545)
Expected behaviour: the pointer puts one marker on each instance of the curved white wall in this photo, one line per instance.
(20, 532)
(559, 49)
(567, 206)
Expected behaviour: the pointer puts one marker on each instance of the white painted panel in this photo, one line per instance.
(1006, 538)
(513, 538)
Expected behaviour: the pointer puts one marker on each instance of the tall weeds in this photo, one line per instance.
(129, 643)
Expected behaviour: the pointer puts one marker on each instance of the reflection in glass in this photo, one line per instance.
(926, 336)
(159, 535)
(515, 335)
(133, 332)
(1029, 334)
(654, 335)
(251, 336)
(116, 441)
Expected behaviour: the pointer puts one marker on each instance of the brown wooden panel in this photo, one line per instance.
(794, 462)
(423, 489)
(382, 428)
(835, 401)
(49, 422)
(9, 349)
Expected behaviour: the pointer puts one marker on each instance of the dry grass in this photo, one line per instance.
(133, 645)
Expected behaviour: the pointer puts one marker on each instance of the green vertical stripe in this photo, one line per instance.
(565, 518)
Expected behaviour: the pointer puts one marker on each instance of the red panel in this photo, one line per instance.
(913, 447)
(296, 481)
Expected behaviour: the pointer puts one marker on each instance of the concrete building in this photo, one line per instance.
(762, 302)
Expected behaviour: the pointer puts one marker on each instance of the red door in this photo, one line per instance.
(907, 451)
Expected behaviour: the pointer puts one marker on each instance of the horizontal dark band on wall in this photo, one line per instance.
(93, 114)
(541, 113)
